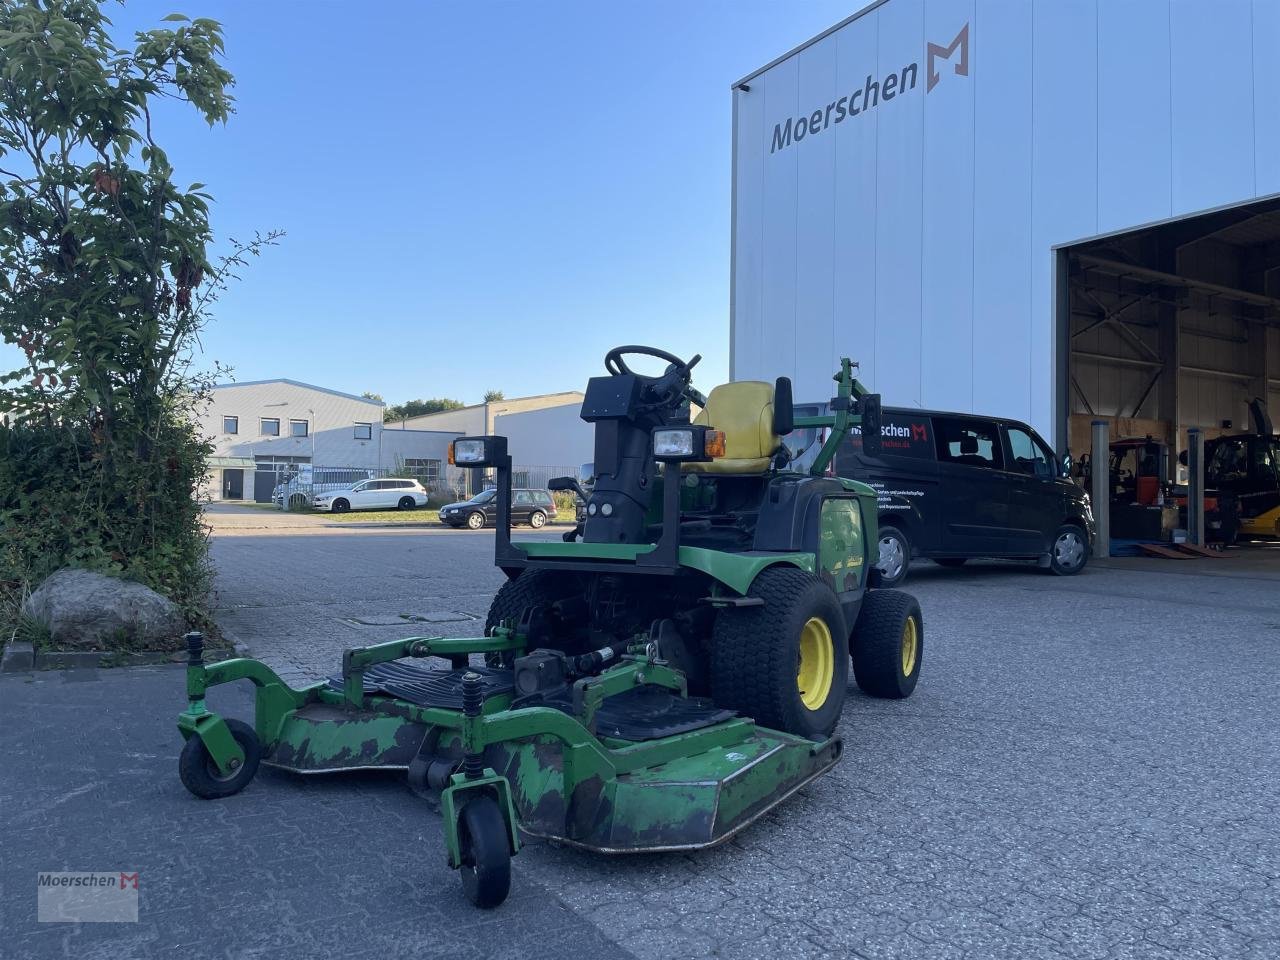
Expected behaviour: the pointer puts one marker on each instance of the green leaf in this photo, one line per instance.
(177, 18)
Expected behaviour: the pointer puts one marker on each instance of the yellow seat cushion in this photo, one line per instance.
(744, 412)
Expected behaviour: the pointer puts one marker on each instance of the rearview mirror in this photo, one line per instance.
(784, 418)
(566, 483)
(872, 423)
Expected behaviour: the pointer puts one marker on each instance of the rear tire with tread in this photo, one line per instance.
(755, 653)
(876, 646)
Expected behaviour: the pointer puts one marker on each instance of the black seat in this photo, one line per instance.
(969, 452)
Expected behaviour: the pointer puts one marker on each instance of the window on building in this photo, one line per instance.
(364, 431)
(298, 428)
(230, 424)
(270, 427)
(424, 471)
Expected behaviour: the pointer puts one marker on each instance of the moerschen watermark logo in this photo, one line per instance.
(98, 897)
(875, 91)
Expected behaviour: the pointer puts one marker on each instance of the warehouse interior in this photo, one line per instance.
(1173, 326)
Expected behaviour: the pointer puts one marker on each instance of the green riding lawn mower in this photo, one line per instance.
(661, 677)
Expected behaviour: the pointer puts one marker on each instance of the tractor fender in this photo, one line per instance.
(738, 571)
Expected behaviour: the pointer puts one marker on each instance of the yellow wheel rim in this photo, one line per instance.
(817, 663)
(910, 646)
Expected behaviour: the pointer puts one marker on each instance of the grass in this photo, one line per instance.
(383, 516)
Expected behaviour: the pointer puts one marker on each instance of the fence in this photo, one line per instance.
(295, 485)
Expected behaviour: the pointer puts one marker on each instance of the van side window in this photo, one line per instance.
(970, 443)
(1030, 456)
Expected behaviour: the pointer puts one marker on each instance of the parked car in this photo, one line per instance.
(955, 486)
(391, 493)
(534, 507)
(322, 481)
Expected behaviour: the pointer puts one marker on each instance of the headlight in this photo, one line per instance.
(694, 442)
(672, 443)
(478, 451)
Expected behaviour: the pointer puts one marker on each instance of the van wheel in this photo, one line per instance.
(1069, 552)
(475, 520)
(406, 503)
(537, 519)
(895, 556)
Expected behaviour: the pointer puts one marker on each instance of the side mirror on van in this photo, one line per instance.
(1067, 464)
(872, 422)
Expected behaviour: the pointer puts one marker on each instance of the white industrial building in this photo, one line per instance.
(266, 431)
(1051, 211)
(544, 432)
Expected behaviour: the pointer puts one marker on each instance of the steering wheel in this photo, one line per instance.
(614, 363)
(671, 387)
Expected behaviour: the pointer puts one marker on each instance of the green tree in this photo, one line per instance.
(418, 408)
(370, 395)
(492, 396)
(105, 284)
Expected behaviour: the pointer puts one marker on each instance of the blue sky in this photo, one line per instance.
(476, 195)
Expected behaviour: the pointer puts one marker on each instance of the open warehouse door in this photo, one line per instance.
(1173, 327)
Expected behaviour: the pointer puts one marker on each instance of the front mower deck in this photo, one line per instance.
(624, 762)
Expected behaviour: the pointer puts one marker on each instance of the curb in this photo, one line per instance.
(21, 658)
(18, 658)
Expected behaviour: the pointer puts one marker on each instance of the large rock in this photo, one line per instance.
(86, 611)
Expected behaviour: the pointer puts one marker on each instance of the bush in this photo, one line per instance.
(566, 503)
(59, 507)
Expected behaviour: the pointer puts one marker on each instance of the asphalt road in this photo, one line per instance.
(1087, 769)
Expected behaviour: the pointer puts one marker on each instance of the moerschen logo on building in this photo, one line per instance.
(954, 54)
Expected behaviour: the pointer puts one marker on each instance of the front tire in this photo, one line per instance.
(485, 846)
(340, 506)
(537, 519)
(200, 774)
(887, 646)
(532, 588)
(786, 663)
(1070, 551)
(895, 556)
(475, 520)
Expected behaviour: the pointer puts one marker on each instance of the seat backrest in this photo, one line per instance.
(744, 412)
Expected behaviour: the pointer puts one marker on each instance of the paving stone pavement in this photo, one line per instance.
(1087, 769)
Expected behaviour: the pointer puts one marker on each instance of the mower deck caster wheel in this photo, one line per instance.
(200, 774)
(486, 853)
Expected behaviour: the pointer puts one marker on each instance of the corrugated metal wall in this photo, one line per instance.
(917, 237)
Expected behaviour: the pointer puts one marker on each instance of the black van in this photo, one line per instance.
(954, 486)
